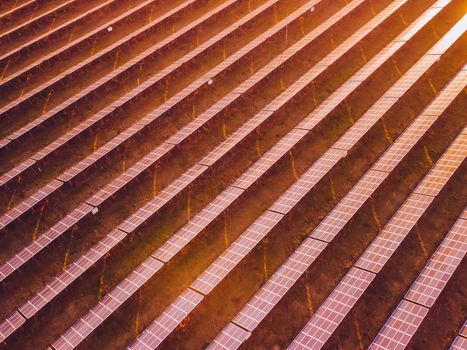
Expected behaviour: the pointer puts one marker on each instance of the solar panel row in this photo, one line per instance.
(381, 249)
(333, 310)
(144, 213)
(432, 184)
(152, 336)
(198, 223)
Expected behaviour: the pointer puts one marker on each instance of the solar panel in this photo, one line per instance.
(454, 33)
(150, 208)
(460, 343)
(188, 232)
(200, 120)
(421, 125)
(365, 122)
(404, 144)
(10, 325)
(276, 287)
(122, 180)
(88, 323)
(158, 330)
(71, 274)
(451, 160)
(4, 143)
(231, 338)
(28, 203)
(415, 73)
(340, 215)
(83, 165)
(43, 241)
(324, 108)
(410, 312)
(463, 331)
(269, 158)
(385, 244)
(234, 139)
(310, 178)
(399, 329)
(214, 274)
(447, 95)
(12, 173)
(423, 20)
(441, 266)
(323, 323)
